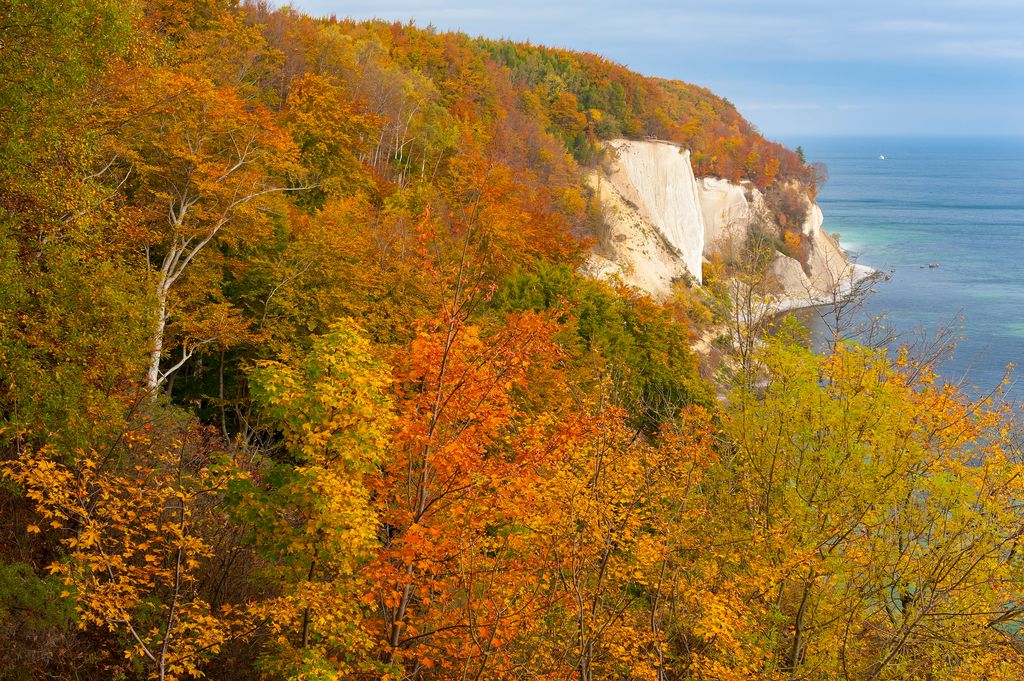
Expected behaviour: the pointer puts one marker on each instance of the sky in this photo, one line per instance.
(792, 67)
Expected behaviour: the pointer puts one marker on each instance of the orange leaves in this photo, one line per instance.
(447, 492)
(487, 504)
(498, 519)
(619, 510)
(795, 244)
(769, 172)
(207, 164)
(333, 133)
(565, 114)
(457, 390)
(506, 211)
(203, 153)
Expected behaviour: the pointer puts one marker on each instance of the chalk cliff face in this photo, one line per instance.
(727, 213)
(661, 222)
(827, 264)
(633, 249)
(648, 194)
(827, 268)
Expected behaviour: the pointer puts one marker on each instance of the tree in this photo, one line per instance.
(134, 532)
(886, 500)
(62, 270)
(627, 338)
(619, 511)
(445, 577)
(743, 302)
(313, 518)
(203, 159)
(333, 135)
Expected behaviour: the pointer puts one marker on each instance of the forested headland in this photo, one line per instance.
(300, 379)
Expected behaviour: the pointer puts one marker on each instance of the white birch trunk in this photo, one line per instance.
(156, 353)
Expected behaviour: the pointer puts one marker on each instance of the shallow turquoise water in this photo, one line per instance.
(955, 202)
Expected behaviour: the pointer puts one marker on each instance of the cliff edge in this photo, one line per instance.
(654, 225)
(661, 223)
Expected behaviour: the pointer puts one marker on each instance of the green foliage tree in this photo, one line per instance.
(638, 344)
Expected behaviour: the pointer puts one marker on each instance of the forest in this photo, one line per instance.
(299, 380)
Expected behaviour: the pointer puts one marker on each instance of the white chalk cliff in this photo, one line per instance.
(727, 212)
(660, 222)
(648, 195)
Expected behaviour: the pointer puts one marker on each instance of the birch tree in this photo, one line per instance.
(207, 164)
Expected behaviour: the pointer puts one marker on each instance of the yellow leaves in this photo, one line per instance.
(332, 406)
(128, 520)
(333, 410)
(88, 538)
(866, 478)
(32, 529)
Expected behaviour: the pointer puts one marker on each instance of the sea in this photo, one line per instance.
(943, 219)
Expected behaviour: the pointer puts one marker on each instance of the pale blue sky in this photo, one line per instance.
(793, 67)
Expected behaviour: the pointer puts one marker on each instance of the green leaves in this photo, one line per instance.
(51, 50)
(645, 351)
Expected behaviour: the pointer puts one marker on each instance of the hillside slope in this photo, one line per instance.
(300, 379)
(589, 98)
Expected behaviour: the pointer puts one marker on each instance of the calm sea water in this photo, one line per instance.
(957, 203)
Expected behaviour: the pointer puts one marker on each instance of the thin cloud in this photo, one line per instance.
(921, 26)
(1008, 50)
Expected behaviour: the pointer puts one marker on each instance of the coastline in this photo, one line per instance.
(846, 287)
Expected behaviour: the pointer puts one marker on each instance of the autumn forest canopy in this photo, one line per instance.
(299, 379)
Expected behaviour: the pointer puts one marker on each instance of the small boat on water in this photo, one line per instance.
(881, 157)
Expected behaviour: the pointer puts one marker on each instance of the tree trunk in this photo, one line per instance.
(156, 353)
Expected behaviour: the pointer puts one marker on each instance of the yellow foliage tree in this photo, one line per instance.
(135, 537)
(880, 511)
(312, 518)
